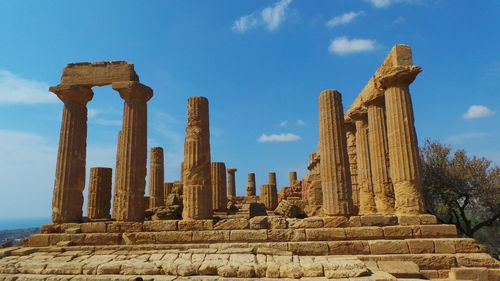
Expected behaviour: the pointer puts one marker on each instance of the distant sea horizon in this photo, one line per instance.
(17, 223)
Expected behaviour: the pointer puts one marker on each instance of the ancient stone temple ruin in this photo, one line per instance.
(357, 215)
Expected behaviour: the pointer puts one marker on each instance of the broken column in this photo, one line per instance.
(99, 196)
(269, 196)
(334, 164)
(271, 178)
(219, 187)
(353, 167)
(402, 138)
(231, 183)
(132, 152)
(67, 200)
(156, 176)
(379, 157)
(251, 187)
(197, 182)
(292, 177)
(364, 180)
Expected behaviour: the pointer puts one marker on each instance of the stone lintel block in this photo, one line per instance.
(248, 235)
(211, 236)
(231, 224)
(174, 237)
(442, 230)
(325, 234)
(444, 246)
(397, 231)
(308, 248)
(195, 225)
(354, 221)
(477, 260)
(400, 269)
(139, 238)
(335, 221)
(378, 220)
(348, 248)
(378, 247)
(471, 273)
(75, 238)
(291, 235)
(119, 227)
(311, 222)
(365, 232)
(408, 220)
(94, 227)
(38, 240)
(160, 225)
(102, 239)
(98, 73)
(469, 245)
(421, 246)
(427, 219)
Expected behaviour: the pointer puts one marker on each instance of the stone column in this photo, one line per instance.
(379, 157)
(402, 138)
(292, 177)
(269, 196)
(67, 200)
(219, 188)
(353, 167)
(272, 178)
(251, 188)
(231, 183)
(167, 188)
(197, 182)
(334, 164)
(365, 186)
(99, 202)
(132, 152)
(156, 176)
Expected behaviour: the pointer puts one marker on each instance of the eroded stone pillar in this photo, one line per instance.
(269, 196)
(132, 152)
(99, 203)
(365, 186)
(353, 167)
(402, 138)
(197, 182)
(271, 178)
(67, 200)
(251, 187)
(334, 164)
(292, 177)
(156, 176)
(167, 188)
(379, 157)
(219, 187)
(231, 183)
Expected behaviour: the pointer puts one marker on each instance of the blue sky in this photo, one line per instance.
(262, 65)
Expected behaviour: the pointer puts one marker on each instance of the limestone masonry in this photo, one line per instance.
(357, 215)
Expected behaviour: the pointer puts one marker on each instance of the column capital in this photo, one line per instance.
(359, 116)
(350, 125)
(396, 76)
(231, 170)
(133, 90)
(73, 93)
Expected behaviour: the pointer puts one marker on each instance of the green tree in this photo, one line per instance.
(459, 189)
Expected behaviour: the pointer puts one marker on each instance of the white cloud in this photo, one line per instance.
(387, 3)
(343, 19)
(283, 123)
(278, 138)
(478, 111)
(17, 90)
(271, 17)
(300, 122)
(343, 45)
(96, 116)
(456, 139)
(399, 20)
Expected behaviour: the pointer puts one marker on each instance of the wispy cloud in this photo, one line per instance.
(343, 45)
(271, 17)
(300, 122)
(101, 117)
(278, 138)
(456, 139)
(283, 123)
(399, 20)
(343, 19)
(387, 3)
(15, 89)
(478, 111)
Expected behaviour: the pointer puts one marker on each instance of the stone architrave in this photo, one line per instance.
(132, 152)
(350, 128)
(292, 177)
(67, 200)
(156, 177)
(251, 187)
(402, 138)
(231, 183)
(219, 187)
(197, 182)
(365, 186)
(271, 178)
(379, 157)
(99, 203)
(269, 196)
(334, 164)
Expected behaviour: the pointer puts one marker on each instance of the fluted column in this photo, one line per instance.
(67, 200)
(353, 167)
(99, 196)
(366, 196)
(269, 196)
(156, 176)
(132, 152)
(197, 182)
(402, 138)
(251, 187)
(219, 187)
(379, 157)
(292, 177)
(271, 178)
(334, 164)
(167, 188)
(231, 183)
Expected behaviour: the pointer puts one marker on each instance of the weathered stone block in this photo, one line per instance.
(378, 220)
(468, 245)
(396, 231)
(195, 225)
(408, 220)
(378, 247)
(76, 238)
(444, 246)
(38, 240)
(98, 73)
(325, 234)
(174, 237)
(231, 224)
(139, 238)
(160, 225)
(444, 230)
(211, 236)
(277, 222)
(49, 228)
(335, 221)
(367, 232)
(476, 273)
(94, 227)
(427, 219)
(476, 260)
(308, 248)
(354, 221)
(102, 239)
(248, 235)
(259, 222)
(117, 227)
(400, 269)
(286, 235)
(348, 248)
(312, 222)
(421, 246)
